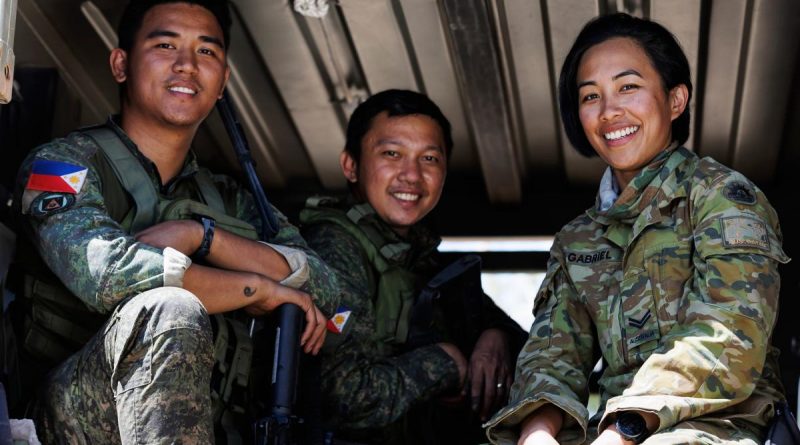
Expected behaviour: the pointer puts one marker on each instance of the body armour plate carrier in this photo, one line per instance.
(59, 324)
(396, 285)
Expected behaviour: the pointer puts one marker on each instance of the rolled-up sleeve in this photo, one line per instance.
(551, 367)
(298, 263)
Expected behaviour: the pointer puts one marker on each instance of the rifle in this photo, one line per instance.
(452, 300)
(276, 426)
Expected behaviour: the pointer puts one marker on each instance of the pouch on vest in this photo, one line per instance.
(185, 208)
(394, 285)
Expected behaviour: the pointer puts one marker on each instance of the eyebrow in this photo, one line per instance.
(390, 141)
(630, 72)
(166, 33)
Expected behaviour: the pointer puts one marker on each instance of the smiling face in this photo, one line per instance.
(623, 107)
(176, 69)
(402, 168)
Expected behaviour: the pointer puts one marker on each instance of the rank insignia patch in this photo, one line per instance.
(55, 176)
(740, 192)
(337, 323)
(50, 203)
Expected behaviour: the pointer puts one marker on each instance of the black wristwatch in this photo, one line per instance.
(631, 426)
(208, 235)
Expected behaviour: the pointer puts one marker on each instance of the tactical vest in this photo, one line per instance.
(59, 323)
(395, 284)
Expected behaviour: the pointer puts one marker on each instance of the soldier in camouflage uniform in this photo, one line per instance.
(145, 374)
(395, 160)
(672, 277)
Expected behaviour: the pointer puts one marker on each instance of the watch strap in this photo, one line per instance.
(208, 236)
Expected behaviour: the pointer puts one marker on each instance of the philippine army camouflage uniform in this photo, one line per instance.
(145, 376)
(370, 383)
(676, 285)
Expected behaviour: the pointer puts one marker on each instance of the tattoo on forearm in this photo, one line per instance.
(249, 291)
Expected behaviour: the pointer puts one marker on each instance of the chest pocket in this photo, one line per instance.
(669, 270)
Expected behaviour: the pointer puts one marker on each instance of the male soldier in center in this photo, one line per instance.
(379, 386)
(139, 245)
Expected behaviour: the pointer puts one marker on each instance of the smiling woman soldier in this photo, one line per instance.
(672, 275)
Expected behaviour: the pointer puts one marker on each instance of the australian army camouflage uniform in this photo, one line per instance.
(677, 285)
(129, 293)
(369, 376)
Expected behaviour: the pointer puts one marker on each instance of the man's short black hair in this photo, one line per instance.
(134, 13)
(661, 47)
(395, 103)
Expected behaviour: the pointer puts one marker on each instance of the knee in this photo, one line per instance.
(165, 309)
(169, 319)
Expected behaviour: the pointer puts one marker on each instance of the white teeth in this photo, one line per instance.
(183, 90)
(621, 133)
(406, 196)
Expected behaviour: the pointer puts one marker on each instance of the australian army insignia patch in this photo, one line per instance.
(740, 192)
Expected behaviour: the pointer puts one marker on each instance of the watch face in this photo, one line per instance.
(631, 426)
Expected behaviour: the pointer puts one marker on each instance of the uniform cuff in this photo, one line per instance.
(298, 263)
(649, 403)
(175, 265)
(503, 428)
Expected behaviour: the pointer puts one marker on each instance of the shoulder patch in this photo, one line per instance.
(740, 192)
(743, 231)
(50, 203)
(337, 323)
(55, 176)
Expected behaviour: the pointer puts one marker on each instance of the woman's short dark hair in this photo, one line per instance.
(134, 13)
(395, 103)
(661, 47)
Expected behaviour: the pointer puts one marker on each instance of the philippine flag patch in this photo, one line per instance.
(55, 176)
(337, 323)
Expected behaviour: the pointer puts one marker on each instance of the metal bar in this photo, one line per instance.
(481, 80)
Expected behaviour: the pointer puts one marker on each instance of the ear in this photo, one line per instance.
(118, 60)
(349, 166)
(678, 100)
(224, 82)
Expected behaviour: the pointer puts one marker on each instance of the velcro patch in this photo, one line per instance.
(641, 338)
(743, 231)
(339, 320)
(638, 323)
(740, 192)
(56, 176)
(590, 257)
(50, 203)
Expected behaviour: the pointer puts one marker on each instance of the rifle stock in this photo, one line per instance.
(276, 427)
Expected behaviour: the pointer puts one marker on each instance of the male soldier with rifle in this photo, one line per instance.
(376, 375)
(133, 246)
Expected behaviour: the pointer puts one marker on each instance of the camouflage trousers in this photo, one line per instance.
(143, 378)
(706, 431)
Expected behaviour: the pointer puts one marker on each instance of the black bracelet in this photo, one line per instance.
(208, 236)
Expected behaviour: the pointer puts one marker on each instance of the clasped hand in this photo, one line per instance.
(185, 236)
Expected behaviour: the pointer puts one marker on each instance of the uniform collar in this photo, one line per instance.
(189, 169)
(420, 242)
